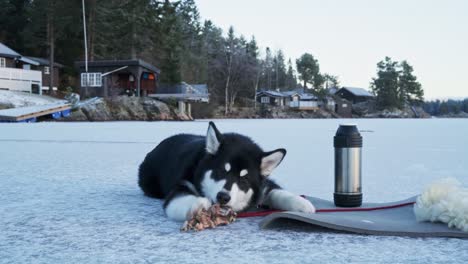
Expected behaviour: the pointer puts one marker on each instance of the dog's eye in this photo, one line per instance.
(243, 172)
(227, 167)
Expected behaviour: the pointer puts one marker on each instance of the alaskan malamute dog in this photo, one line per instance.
(192, 172)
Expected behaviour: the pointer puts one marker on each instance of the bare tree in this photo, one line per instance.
(258, 73)
(229, 53)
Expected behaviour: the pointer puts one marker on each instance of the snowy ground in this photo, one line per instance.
(19, 99)
(68, 193)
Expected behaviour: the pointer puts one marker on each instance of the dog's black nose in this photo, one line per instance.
(223, 198)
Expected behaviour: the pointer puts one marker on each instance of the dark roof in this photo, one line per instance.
(44, 61)
(5, 51)
(357, 91)
(119, 63)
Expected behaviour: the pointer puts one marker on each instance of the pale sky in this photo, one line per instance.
(349, 37)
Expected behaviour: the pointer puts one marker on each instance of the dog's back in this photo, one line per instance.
(172, 160)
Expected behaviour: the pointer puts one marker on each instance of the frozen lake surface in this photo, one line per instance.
(69, 194)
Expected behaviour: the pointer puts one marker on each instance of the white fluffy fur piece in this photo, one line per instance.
(444, 201)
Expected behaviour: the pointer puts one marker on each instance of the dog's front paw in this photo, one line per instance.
(199, 204)
(184, 207)
(284, 200)
(297, 204)
(302, 205)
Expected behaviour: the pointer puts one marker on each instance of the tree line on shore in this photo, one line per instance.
(172, 36)
(447, 107)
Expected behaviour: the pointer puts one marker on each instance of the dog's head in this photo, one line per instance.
(236, 168)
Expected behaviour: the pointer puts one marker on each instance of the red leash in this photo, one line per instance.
(334, 210)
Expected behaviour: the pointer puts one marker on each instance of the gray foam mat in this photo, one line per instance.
(398, 221)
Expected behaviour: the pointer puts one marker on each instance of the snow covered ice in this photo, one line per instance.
(69, 193)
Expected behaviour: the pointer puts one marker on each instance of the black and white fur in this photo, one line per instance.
(192, 172)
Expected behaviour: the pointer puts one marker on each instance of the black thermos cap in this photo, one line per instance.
(347, 136)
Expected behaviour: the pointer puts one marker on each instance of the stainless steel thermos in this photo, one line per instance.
(348, 146)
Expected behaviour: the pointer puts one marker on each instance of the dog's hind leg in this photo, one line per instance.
(184, 201)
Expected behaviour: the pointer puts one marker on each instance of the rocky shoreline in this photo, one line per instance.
(359, 111)
(124, 108)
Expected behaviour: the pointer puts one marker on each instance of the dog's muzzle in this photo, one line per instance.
(223, 197)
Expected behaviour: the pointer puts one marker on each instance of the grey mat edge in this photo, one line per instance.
(269, 220)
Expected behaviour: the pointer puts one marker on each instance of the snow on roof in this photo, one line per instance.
(358, 91)
(5, 51)
(29, 61)
(200, 88)
(307, 96)
(273, 93)
(302, 96)
(43, 61)
(290, 93)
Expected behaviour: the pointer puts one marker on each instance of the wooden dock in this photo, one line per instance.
(31, 113)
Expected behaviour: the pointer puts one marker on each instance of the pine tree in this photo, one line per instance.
(52, 23)
(279, 69)
(13, 20)
(192, 67)
(309, 71)
(291, 81)
(168, 40)
(395, 85)
(168, 34)
(254, 66)
(212, 56)
(410, 90)
(385, 86)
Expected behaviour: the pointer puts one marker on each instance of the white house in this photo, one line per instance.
(18, 79)
(292, 99)
(304, 101)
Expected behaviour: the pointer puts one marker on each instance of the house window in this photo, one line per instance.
(91, 79)
(2, 62)
(46, 70)
(98, 79)
(265, 100)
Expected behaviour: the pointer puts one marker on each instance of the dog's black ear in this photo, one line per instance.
(213, 139)
(271, 160)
